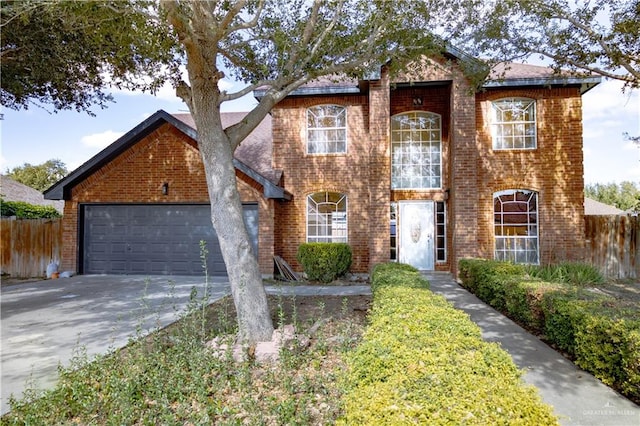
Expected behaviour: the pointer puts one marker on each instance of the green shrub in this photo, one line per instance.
(601, 334)
(609, 349)
(423, 362)
(23, 210)
(394, 274)
(324, 261)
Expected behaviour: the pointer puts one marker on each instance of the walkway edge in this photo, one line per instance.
(578, 397)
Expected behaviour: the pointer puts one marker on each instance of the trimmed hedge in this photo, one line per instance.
(324, 261)
(422, 361)
(600, 333)
(23, 210)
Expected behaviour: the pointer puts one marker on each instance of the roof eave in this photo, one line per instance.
(314, 91)
(269, 189)
(59, 190)
(585, 83)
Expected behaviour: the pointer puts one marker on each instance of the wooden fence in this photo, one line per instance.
(27, 246)
(612, 245)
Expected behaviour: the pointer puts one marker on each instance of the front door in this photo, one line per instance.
(416, 236)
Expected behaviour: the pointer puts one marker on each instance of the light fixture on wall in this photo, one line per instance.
(165, 188)
(417, 101)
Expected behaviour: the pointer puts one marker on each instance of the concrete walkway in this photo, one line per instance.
(578, 398)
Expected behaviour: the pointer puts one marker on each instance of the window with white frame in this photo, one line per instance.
(326, 129)
(416, 150)
(327, 217)
(514, 124)
(515, 214)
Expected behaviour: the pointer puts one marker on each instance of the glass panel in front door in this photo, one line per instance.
(416, 236)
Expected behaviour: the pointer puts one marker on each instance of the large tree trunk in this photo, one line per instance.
(248, 292)
(193, 23)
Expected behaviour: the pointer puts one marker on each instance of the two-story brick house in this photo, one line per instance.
(420, 168)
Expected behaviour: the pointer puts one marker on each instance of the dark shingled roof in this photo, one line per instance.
(255, 151)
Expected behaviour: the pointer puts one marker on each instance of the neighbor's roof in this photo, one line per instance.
(593, 207)
(10, 190)
(249, 160)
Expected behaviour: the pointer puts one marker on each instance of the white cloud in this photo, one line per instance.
(100, 140)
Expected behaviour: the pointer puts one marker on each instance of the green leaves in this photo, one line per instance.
(579, 38)
(68, 54)
(41, 176)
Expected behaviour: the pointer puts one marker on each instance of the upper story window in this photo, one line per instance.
(514, 123)
(416, 150)
(327, 217)
(326, 129)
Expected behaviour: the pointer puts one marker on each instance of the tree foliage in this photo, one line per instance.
(40, 176)
(581, 36)
(624, 196)
(276, 47)
(24, 210)
(69, 53)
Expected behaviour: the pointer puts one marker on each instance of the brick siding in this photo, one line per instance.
(137, 175)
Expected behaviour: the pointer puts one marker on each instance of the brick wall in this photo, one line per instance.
(554, 169)
(305, 174)
(137, 175)
(472, 171)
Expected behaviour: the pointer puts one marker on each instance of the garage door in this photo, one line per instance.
(152, 239)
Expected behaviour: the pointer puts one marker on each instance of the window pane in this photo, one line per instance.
(515, 228)
(514, 123)
(326, 129)
(327, 217)
(416, 153)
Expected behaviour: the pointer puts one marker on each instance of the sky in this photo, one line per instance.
(37, 135)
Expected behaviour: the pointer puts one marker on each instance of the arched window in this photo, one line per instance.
(515, 213)
(327, 217)
(326, 129)
(514, 123)
(416, 150)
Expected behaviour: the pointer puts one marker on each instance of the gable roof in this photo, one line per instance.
(593, 207)
(10, 190)
(252, 152)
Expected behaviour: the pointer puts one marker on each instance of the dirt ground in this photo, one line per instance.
(302, 311)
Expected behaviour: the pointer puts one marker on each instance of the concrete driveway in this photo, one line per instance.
(44, 322)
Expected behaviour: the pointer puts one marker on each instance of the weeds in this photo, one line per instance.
(170, 377)
(578, 274)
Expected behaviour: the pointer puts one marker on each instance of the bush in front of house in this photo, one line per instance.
(324, 261)
(601, 334)
(422, 361)
(23, 210)
(397, 274)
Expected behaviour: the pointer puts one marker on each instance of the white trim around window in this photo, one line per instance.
(416, 150)
(515, 217)
(513, 124)
(327, 217)
(326, 129)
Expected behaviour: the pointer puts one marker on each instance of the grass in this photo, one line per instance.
(171, 377)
